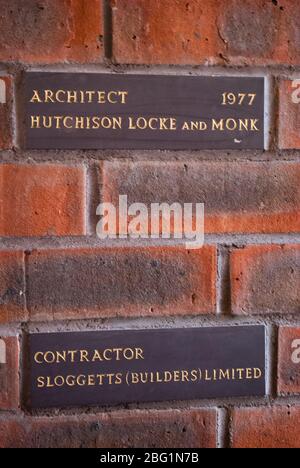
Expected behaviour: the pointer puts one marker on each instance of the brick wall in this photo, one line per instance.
(52, 266)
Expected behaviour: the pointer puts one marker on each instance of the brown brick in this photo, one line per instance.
(242, 32)
(289, 361)
(64, 284)
(277, 427)
(42, 200)
(132, 429)
(50, 31)
(289, 114)
(239, 197)
(9, 373)
(12, 287)
(265, 279)
(5, 112)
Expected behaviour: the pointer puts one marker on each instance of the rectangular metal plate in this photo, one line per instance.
(91, 111)
(115, 367)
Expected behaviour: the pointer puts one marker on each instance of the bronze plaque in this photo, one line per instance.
(117, 367)
(91, 111)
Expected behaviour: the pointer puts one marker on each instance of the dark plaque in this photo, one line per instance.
(90, 111)
(113, 367)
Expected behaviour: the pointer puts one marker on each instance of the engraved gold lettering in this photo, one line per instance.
(134, 378)
(241, 98)
(36, 358)
(107, 354)
(218, 125)
(96, 123)
(71, 97)
(66, 120)
(235, 125)
(91, 380)
(129, 354)
(123, 95)
(81, 380)
(49, 96)
(79, 96)
(35, 97)
(257, 373)
(97, 356)
(100, 378)
(72, 354)
(40, 382)
(118, 380)
(244, 125)
(139, 353)
(84, 355)
(101, 97)
(90, 96)
(110, 377)
(231, 124)
(58, 94)
(47, 122)
(79, 122)
(224, 375)
(254, 125)
(154, 123)
(111, 97)
(35, 121)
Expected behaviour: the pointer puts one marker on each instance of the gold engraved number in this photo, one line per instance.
(230, 99)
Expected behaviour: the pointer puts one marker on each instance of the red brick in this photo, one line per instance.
(265, 280)
(50, 31)
(5, 112)
(237, 32)
(42, 200)
(289, 114)
(169, 31)
(277, 427)
(289, 361)
(239, 197)
(131, 429)
(9, 374)
(12, 287)
(108, 282)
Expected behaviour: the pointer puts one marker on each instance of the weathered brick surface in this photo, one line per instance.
(289, 361)
(236, 32)
(42, 200)
(9, 373)
(50, 31)
(12, 287)
(277, 427)
(5, 112)
(171, 31)
(265, 279)
(289, 114)
(260, 31)
(239, 197)
(110, 282)
(139, 429)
